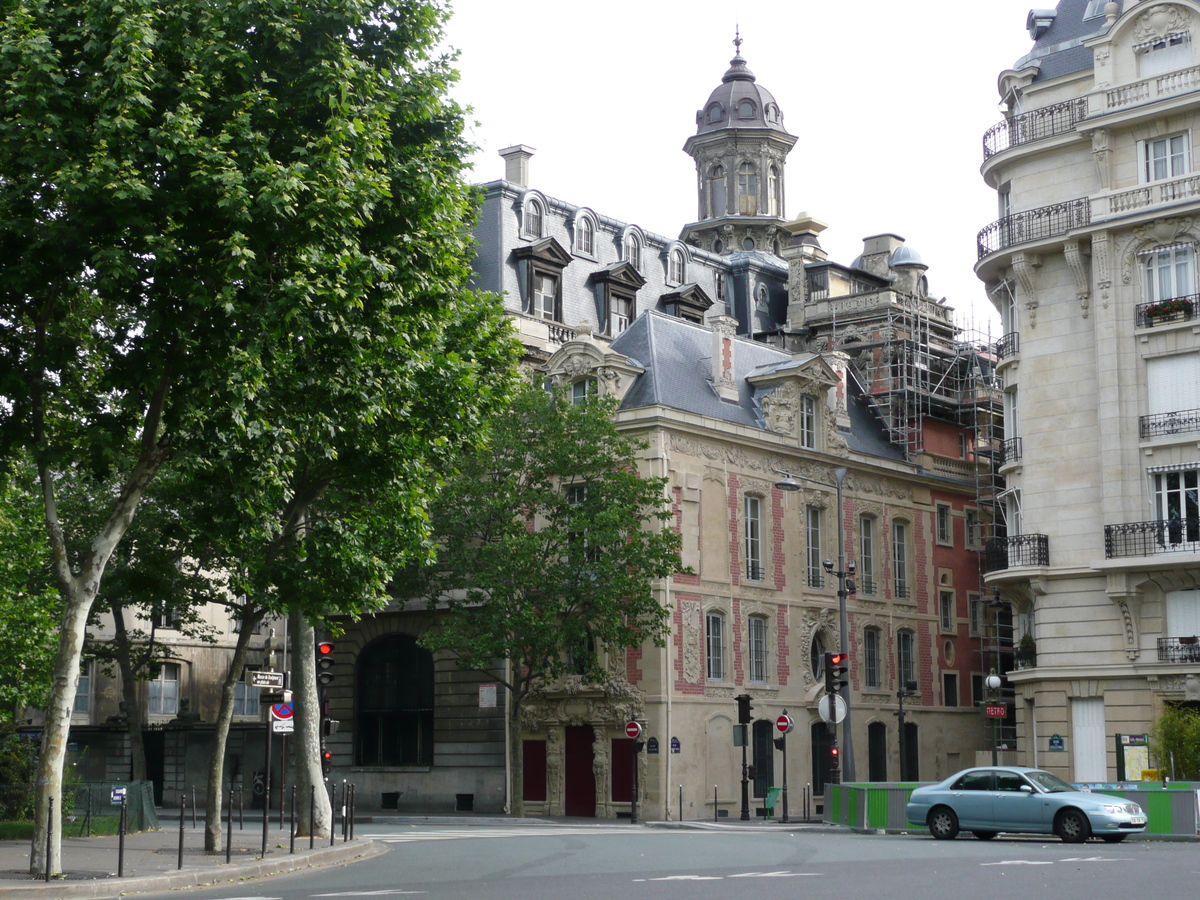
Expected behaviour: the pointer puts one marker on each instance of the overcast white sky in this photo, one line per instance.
(889, 99)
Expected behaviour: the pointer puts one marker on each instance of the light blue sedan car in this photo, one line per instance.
(1013, 799)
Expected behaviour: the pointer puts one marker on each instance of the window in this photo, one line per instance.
(962, 446)
(716, 192)
(719, 282)
(1169, 273)
(747, 189)
(245, 696)
(813, 534)
(866, 555)
(713, 114)
(675, 268)
(163, 698)
(1094, 8)
(816, 653)
(900, 560)
(1164, 158)
(714, 637)
(585, 235)
(774, 194)
(757, 634)
(974, 615)
(545, 295)
(1177, 503)
(978, 695)
(1183, 614)
(872, 643)
(620, 311)
(633, 250)
(950, 688)
(83, 690)
(164, 619)
(905, 658)
(972, 528)
(583, 390)
(1173, 383)
(753, 509)
(808, 422)
(533, 219)
(394, 708)
(944, 533)
(235, 625)
(772, 113)
(1165, 54)
(946, 611)
(746, 109)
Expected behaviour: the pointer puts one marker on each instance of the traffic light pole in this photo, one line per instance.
(839, 476)
(745, 775)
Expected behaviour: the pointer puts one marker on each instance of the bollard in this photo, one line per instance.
(292, 829)
(229, 825)
(332, 813)
(182, 812)
(345, 831)
(312, 813)
(121, 826)
(193, 806)
(49, 833)
(681, 803)
(241, 807)
(714, 803)
(353, 798)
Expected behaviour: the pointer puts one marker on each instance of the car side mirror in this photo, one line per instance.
(1026, 789)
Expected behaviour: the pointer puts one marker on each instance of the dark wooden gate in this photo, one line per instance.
(579, 796)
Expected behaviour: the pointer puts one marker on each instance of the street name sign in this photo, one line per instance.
(267, 680)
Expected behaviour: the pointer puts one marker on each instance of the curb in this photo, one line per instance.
(114, 887)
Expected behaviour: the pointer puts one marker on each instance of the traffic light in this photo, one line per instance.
(833, 753)
(329, 726)
(827, 664)
(326, 761)
(744, 708)
(324, 662)
(838, 671)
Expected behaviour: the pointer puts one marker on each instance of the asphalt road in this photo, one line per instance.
(601, 862)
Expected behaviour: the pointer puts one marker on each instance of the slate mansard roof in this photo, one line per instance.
(1059, 49)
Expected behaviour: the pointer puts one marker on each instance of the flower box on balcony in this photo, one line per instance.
(1178, 308)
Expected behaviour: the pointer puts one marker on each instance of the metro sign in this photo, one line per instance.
(995, 710)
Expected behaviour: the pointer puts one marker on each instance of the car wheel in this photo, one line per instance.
(1113, 838)
(943, 823)
(984, 835)
(1072, 826)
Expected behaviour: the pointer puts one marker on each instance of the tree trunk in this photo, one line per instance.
(306, 740)
(516, 755)
(216, 759)
(58, 723)
(133, 709)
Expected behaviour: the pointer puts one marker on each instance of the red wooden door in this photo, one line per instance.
(579, 796)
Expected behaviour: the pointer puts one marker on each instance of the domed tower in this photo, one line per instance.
(740, 146)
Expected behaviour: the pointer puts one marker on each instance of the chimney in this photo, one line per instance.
(723, 330)
(516, 164)
(877, 251)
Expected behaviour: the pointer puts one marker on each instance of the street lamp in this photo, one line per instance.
(909, 690)
(993, 686)
(845, 588)
(993, 680)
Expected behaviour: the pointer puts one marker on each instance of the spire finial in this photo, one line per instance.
(737, 40)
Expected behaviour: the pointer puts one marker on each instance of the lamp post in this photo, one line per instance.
(909, 690)
(845, 588)
(993, 686)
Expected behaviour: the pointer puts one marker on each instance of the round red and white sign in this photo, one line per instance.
(785, 724)
(633, 730)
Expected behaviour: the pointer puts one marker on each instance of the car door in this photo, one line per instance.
(1015, 809)
(972, 799)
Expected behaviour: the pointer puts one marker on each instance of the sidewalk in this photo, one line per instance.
(152, 861)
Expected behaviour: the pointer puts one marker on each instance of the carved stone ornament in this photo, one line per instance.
(1159, 21)
(1024, 267)
(1100, 155)
(693, 636)
(1077, 260)
(781, 408)
(1101, 266)
(1153, 234)
(821, 621)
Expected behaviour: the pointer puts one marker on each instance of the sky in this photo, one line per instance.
(889, 100)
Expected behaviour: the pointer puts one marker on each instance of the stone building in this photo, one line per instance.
(1092, 264)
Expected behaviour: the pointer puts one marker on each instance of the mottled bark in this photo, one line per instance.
(306, 740)
(133, 709)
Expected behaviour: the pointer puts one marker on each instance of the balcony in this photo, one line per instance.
(815, 579)
(1033, 225)
(1184, 421)
(1146, 196)
(866, 585)
(1035, 125)
(1016, 550)
(560, 334)
(900, 590)
(1010, 451)
(1147, 91)
(1151, 538)
(1008, 346)
(1162, 312)
(1179, 649)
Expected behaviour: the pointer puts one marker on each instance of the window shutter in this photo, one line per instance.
(1173, 383)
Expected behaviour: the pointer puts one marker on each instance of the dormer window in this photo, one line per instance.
(713, 116)
(772, 114)
(808, 422)
(746, 109)
(633, 250)
(585, 236)
(675, 267)
(533, 219)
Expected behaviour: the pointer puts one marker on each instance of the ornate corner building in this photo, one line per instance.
(1092, 264)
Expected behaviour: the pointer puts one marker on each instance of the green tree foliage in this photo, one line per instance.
(234, 240)
(550, 543)
(1175, 742)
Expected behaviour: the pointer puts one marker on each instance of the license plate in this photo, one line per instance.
(1138, 820)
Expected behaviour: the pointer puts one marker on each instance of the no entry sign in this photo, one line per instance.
(633, 730)
(785, 724)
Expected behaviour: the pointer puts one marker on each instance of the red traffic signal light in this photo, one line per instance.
(326, 760)
(833, 751)
(838, 674)
(324, 662)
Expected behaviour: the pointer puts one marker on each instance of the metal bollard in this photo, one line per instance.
(714, 803)
(229, 826)
(681, 803)
(49, 834)
(345, 830)
(121, 826)
(292, 829)
(182, 812)
(241, 807)
(332, 813)
(193, 806)
(353, 798)
(312, 814)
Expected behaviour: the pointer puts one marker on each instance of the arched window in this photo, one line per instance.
(716, 192)
(772, 113)
(816, 653)
(533, 219)
(756, 634)
(747, 189)
(906, 658)
(900, 561)
(714, 645)
(585, 235)
(746, 109)
(774, 198)
(713, 115)
(675, 267)
(633, 250)
(394, 703)
(872, 658)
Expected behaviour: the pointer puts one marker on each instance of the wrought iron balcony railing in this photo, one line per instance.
(1016, 550)
(900, 590)
(866, 585)
(1010, 451)
(815, 579)
(1183, 421)
(1160, 312)
(1033, 225)
(1008, 346)
(1035, 125)
(1150, 538)
(1179, 649)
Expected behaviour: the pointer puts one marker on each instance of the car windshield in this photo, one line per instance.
(1051, 784)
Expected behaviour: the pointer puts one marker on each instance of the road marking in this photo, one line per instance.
(251, 898)
(687, 878)
(784, 874)
(367, 893)
(1020, 862)
(467, 833)
(1095, 859)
